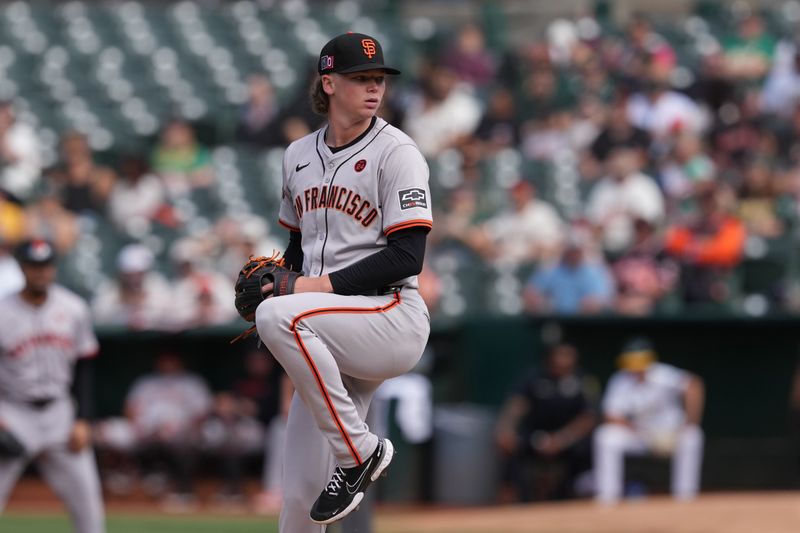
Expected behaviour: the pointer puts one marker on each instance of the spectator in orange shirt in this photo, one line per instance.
(708, 247)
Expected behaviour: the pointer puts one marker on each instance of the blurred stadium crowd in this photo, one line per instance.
(633, 168)
(636, 168)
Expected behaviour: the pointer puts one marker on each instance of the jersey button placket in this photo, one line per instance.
(326, 178)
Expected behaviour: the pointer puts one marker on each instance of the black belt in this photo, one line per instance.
(381, 291)
(40, 403)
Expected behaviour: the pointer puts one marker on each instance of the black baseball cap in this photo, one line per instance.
(35, 251)
(352, 52)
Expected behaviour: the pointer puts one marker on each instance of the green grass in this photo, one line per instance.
(19, 523)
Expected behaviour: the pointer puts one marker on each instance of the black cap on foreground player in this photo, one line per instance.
(35, 252)
(352, 52)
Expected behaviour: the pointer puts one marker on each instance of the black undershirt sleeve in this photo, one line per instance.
(293, 256)
(402, 257)
(83, 387)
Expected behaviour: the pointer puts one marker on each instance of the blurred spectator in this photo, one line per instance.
(11, 278)
(649, 408)
(643, 274)
(138, 197)
(230, 435)
(139, 298)
(788, 137)
(544, 427)
(157, 440)
(622, 196)
(659, 110)
(180, 160)
(686, 169)
(712, 88)
(639, 47)
(83, 186)
(749, 53)
(529, 231)
(618, 131)
(443, 113)
(46, 218)
(20, 156)
(238, 239)
(543, 92)
(456, 220)
(430, 288)
(201, 297)
(781, 92)
(499, 126)
(551, 135)
(469, 58)
(708, 246)
(762, 208)
(258, 123)
(738, 134)
(165, 409)
(266, 392)
(579, 283)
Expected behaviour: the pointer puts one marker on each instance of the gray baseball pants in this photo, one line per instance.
(337, 350)
(72, 476)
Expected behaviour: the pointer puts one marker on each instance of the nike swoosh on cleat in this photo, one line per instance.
(352, 488)
(298, 168)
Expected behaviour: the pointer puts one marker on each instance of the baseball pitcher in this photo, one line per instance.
(347, 315)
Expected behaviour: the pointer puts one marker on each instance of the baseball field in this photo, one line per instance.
(774, 512)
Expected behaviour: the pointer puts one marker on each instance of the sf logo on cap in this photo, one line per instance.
(369, 47)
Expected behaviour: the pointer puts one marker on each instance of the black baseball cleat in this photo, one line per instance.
(346, 488)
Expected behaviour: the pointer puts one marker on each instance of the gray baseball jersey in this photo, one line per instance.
(38, 348)
(346, 203)
(338, 349)
(39, 345)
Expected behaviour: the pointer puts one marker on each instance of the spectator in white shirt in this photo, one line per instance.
(530, 230)
(649, 408)
(661, 111)
(139, 299)
(201, 296)
(444, 113)
(20, 156)
(624, 195)
(137, 197)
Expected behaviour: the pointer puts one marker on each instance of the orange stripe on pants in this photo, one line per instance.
(313, 367)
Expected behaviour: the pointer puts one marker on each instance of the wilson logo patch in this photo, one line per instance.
(414, 197)
(360, 165)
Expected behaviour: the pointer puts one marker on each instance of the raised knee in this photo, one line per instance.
(270, 320)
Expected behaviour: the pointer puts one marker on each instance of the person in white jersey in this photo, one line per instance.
(649, 408)
(356, 202)
(46, 347)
